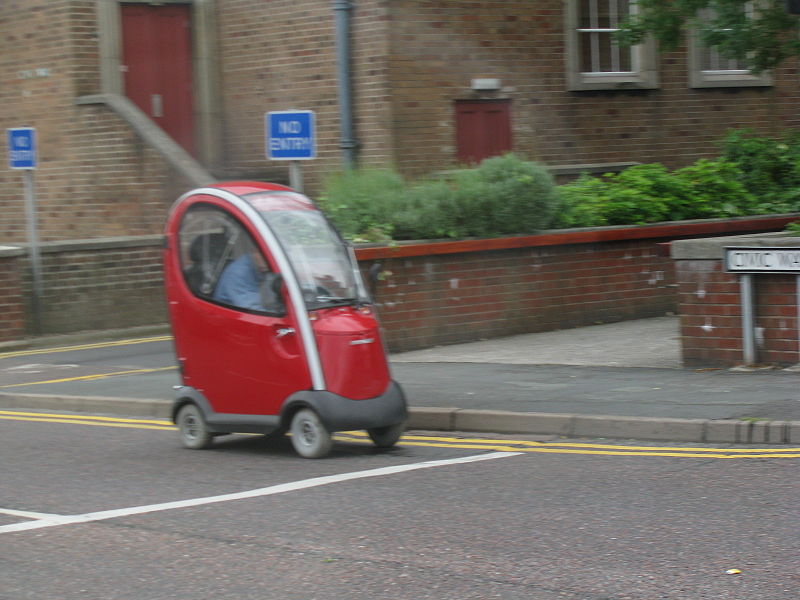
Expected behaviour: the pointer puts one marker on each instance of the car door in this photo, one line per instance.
(244, 356)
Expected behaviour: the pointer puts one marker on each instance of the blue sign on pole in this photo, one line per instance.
(22, 148)
(291, 135)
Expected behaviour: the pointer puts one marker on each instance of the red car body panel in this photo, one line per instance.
(249, 363)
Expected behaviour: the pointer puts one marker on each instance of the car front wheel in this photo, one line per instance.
(309, 436)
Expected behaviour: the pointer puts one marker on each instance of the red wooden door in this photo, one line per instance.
(157, 59)
(483, 129)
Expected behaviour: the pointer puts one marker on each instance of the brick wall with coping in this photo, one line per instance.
(709, 302)
(457, 291)
(424, 300)
(433, 293)
(105, 283)
(466, 296)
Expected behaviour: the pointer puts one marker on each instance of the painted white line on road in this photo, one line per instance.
(57, 520)
(26, 514)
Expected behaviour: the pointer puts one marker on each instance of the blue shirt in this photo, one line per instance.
(240, 284)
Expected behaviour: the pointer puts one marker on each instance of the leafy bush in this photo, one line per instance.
(504, 195)
(582, 202)
(427, 211)
(650, 193)
(363, 203)
(642, 194)
(715, 189)
(793, 228)
(637, 195)
(770, 168)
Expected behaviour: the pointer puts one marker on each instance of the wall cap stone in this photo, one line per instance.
(11, 251)
(714, 248)
(586, 235)
(667, 231)
(107, 243)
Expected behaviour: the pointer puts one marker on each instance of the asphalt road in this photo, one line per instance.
(145, 369)
(437, 517)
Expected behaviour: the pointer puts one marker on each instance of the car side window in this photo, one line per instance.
(221, 263)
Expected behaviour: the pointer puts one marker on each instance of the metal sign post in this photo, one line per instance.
(748, 318)
(291, 135)
(22, 155)
(747, 261)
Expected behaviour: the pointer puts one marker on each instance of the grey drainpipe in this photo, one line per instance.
(347, 143)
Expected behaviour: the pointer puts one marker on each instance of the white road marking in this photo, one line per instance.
(37, 368)
(49, 520)
(26, 514)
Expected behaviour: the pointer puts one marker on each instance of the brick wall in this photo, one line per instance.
(411, 60)
(710, 314)
(448, 292)
(12, 300)
(290, 64)
(452, 292)
(443, 299)
(95, 177)
(711, 310)
(426, 299)
(101, 284)
(437, 47)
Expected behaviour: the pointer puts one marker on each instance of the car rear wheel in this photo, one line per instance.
(193, 429)
(386, 437)
(309, 436)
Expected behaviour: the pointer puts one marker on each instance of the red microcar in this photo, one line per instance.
(274, 328)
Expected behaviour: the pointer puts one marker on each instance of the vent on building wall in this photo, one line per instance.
(485, 84)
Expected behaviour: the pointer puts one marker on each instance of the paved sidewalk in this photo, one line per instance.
(642, 343)
(621, 380)
(613, 380)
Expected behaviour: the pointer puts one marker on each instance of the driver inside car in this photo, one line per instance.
(246, 283)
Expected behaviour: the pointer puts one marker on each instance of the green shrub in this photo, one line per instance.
(770, 167)
(581, 203)
(715, 189)
(427, 211)
(502, 196)
(650, 193)
(362, 203)
(793, 228)
(505, 195)
(637, 195)
(644, 194)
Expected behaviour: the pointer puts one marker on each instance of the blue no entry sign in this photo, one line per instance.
(291, 135)
(22, 148)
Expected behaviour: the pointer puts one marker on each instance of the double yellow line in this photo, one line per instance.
(92, 377)
(94, 346)
(12, 415)
(556, 447)
(435, 441)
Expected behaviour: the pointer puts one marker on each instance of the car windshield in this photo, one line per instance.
(322, 262)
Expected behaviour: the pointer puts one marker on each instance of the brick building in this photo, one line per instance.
(432, 82)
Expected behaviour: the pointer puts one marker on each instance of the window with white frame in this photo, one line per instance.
(708, 68)
(594, 60)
